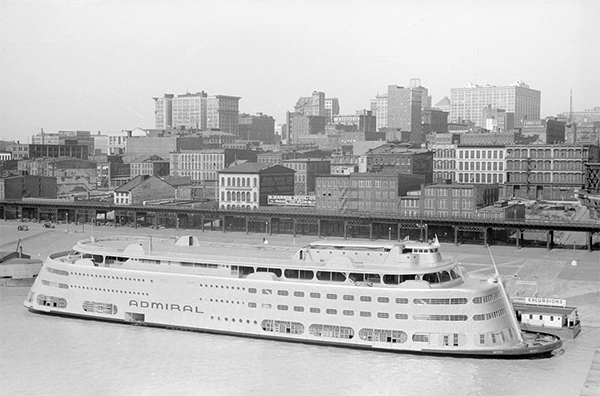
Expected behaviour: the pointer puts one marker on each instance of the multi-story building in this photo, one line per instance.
(467, 103)
(27, 186)
(71, 174)
(434, 121)
(189, 111)
(586, 133)
(247, 186)
(364, 192)
(151, 165)
(415, 84)
(306, 171)
(65, 138)
(582, 117)
(259, 127)
(497, 120)
(222, 113)
(547, 172)
(550, 130)
(58, 150)
(19, 151)
(332, 108)
(148, 188)
(203, 165)
(312, 105)
(381, 110)
(476, 164)
(344, 164)
(404, 111)
(362, 121)
(163, 112)
(589, 196)
(449, 200)
(400, 158)
(303, 128)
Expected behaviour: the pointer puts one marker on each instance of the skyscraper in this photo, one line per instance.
(311, 105)
(197, 111)
(467, 103)
(404, 111)
(222, 113)
(332, 108)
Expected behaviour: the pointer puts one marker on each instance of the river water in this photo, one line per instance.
(48, 355)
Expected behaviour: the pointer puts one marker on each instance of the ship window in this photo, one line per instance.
(444, 276)
(482, 338)
(331, 311)
(252, 304)
(292, 273)
(380, 335)
(298, 309)
(420, 337)
(454, 273)
(450, 318)
(401, 316)
(391, 279)
(365, 298)
(282, 307)
(267, 291)
(315, 310)
(348, 297)
(359, 277)
(331, 296)
(383, 315)
(347, 312)
(365, 314)
(331, 276)
(251, 290)
(479, 317)
(431, 277)
(265, 305)
(306, 274)
(282, 292)
(276, 271)
(400, 300)
(315, 295)
(331, 331)
(383, 299)
(299, 294)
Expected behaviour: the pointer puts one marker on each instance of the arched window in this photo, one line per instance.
(248, 181)
(255, 185)
(243, 182)
(238, 196)
(222, 195)
(228, 182)
(255, 199)
(248, 197)
(223, 181)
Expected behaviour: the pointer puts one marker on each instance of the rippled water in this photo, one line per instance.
(48, 355)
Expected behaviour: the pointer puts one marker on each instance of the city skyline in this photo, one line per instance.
(97, 66)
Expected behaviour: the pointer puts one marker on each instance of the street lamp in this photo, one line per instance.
(390, 233)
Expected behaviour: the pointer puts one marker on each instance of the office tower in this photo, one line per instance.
(468, 102)
(415, 84)
(311, 105)
(163, 112)
(189, 111)
(222, 113)
(404, 111)
(332, 108)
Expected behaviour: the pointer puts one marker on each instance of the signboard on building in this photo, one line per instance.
(292, 200)
(549, 302)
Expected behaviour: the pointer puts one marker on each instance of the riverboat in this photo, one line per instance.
(399, 296)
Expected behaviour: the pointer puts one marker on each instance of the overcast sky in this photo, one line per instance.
(95, 65)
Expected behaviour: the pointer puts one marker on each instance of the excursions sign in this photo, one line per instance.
(292, 200)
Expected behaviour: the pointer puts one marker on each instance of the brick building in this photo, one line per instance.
(364, 192)
(247, 186)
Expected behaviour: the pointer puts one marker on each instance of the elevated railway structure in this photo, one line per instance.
(304, 221)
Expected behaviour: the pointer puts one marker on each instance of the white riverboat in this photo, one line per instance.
(391, 296)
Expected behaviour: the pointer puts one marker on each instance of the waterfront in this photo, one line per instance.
(55, 356)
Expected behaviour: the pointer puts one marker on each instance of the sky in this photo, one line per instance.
(96, 65)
